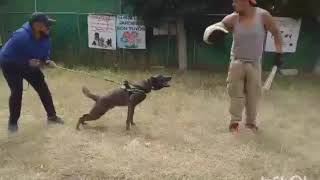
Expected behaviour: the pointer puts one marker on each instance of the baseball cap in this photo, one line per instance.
(42, 17)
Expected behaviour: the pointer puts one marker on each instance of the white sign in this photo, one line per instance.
(290, 29)
(102, 32)
(131, 32)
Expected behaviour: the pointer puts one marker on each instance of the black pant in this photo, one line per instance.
(14, 74)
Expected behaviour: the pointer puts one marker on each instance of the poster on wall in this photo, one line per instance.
(102, 32)
(131, 32)
(290, 30)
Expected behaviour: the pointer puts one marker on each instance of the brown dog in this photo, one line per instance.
(129, 96)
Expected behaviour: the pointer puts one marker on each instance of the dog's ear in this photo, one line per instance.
(152, 78)
(156, 76)
(160, 76)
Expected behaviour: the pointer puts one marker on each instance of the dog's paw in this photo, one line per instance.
(128, 128)
(78, 126)
(85, 90)
(84, 124)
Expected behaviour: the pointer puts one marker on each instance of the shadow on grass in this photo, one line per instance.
(95, 128)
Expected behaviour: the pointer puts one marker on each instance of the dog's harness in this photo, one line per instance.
(133, 89)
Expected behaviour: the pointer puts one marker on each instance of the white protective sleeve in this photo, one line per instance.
(211, 29)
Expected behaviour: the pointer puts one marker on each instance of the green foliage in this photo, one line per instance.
(3, 2)
(304, 8)
(152, 11)
(295, 8)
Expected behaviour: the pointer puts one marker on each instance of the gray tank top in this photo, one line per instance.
(248, 42)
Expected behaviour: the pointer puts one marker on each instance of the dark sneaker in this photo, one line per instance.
(55, 120)
(253, 127)
(13, 128)
(234, 127)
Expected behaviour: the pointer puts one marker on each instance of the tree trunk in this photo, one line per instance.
(149, 34)
(316, 69)
(181, 43)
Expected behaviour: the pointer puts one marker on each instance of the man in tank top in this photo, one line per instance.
(249, 25)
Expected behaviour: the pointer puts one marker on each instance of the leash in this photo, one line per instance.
(125, 84)
(80, 72)
(87, 74)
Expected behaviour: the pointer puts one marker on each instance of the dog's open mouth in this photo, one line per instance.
(166, 82)
(160, 81)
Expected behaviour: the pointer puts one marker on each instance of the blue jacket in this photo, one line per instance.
(22, 47)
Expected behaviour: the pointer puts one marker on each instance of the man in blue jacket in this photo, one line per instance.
(20, 58)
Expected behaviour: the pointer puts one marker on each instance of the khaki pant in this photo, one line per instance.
(244, 89)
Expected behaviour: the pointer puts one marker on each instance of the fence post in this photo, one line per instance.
(35, 6)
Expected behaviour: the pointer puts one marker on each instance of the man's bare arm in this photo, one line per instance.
(271, 26)
(229, 21)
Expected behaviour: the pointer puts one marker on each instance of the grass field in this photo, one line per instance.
(181, 133)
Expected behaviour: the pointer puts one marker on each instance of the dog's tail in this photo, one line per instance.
(87, 93)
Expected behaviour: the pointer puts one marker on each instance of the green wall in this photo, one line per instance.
(70, 38)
